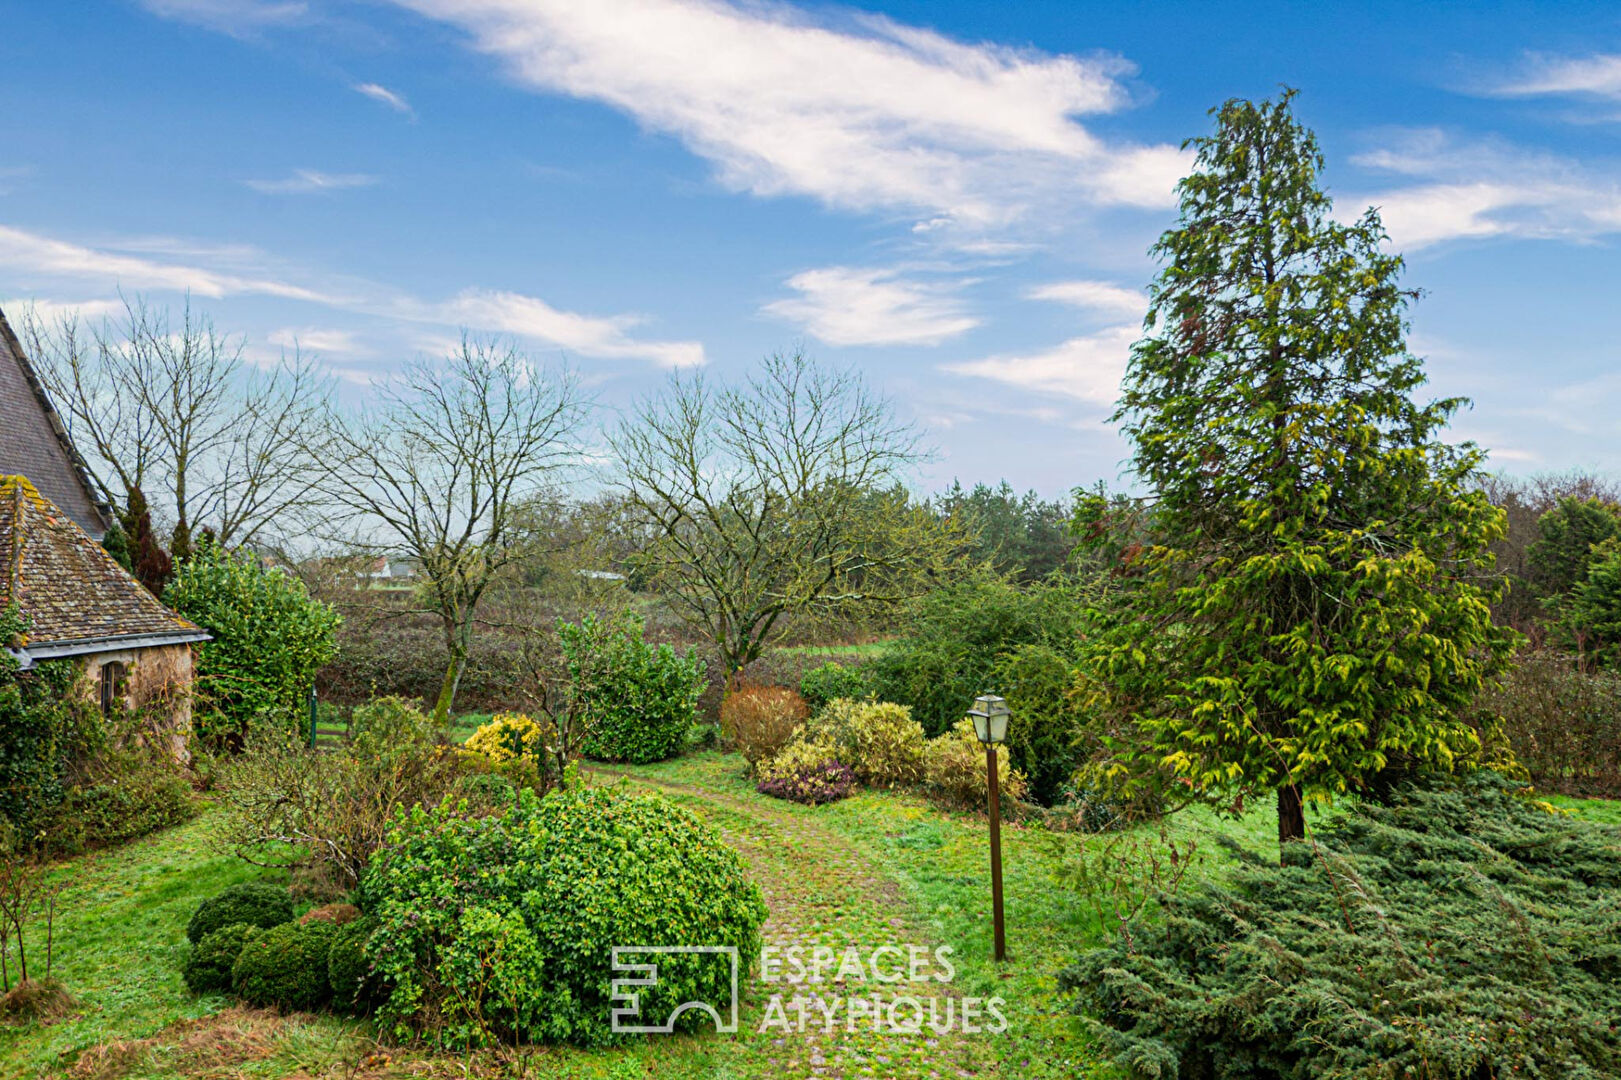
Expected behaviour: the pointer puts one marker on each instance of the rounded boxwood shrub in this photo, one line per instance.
(255, 903)
(502, 928)
(208, 965)
(349, 969)
(285, 966)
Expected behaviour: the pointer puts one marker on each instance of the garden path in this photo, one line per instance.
(823, 892)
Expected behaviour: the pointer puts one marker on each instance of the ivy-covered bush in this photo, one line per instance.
(269, 639)
(285, 966)
(806, 772)
(879, 740)
(1461, 932)
(635, 699)
(208, 965)
(123, 795)
(355, 987)
(502, 928)
(254, 903)
(955, 774)
(43, 730)
(760, 720)
(821, 685)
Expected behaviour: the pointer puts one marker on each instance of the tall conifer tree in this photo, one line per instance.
(1313, 606)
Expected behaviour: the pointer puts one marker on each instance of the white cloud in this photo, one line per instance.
(871, 115)
(1099, 296)
(378, 92)
(1598, 75)
(844, 305)
(308, 181)
(506, 312)
(1087, 368)
(231, 16)
(58, 258)
(513, 313)
(324, 341)
(50, 311)
(1486, 188)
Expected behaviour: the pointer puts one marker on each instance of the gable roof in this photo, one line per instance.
(34, 443)
(76, 597)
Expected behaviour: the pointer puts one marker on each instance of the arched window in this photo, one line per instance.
(112, 685)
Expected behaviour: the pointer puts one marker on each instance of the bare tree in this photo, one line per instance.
(169, 413)
(439, 469)
(780, 496)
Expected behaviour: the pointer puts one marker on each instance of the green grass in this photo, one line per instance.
(877, 868)
(833, 652)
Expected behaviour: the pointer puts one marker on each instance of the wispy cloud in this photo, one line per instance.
(1099, 296)
(1598, 76)
(50, 311)
(108, 269)
(324, 341)
(115, 269)
(605, 337)
(309, 182)
(378, 92)
(866, 115)
(844, 305)
(1087, 368)
(237, 17)
(1485, 188)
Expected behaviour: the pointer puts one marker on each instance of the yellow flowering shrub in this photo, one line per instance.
(509, 737)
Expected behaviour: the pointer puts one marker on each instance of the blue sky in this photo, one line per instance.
(957, 198)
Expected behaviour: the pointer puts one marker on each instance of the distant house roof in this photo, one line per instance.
(76, 597)
(34, 443)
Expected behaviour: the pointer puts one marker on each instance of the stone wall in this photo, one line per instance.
(157, 683)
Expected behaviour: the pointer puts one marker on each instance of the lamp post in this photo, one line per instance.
(990, 715)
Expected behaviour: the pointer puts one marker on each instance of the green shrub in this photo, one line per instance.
(1460, 932)
(269, 639)
(285, 967)
(879, 741)
(349, 970)
(127, 795)
(760, 720)
(955, 772)
(502, 928)
(1047, 729)
(636, 700)
(485, 793)
(952, 638)
(255, 903)
(208, 965)
(387, 723)
(832, 680)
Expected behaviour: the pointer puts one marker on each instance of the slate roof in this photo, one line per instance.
(35, 444)
(69, 588)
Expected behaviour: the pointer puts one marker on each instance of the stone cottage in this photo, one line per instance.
(80, 603)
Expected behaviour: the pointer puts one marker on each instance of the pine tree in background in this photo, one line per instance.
(152, 565)
(1311, 608)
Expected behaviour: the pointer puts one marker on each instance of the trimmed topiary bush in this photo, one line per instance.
(502, 928)
(208, 965)
(285, 967)
(1461, 932)
(355, 988)
(255, 903)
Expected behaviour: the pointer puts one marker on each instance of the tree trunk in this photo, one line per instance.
(1291, 815)
(457, 645)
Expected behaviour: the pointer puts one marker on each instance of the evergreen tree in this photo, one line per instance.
(1309, 610)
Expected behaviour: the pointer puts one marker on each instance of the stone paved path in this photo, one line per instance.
(821, 892)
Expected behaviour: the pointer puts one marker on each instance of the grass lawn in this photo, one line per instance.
(834, 652)
(876, 869)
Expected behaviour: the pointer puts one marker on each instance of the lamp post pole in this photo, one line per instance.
(996, 850)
